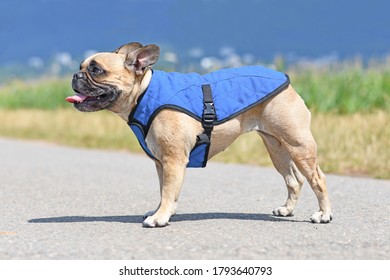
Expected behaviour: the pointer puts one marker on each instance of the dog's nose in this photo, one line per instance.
(79, 75)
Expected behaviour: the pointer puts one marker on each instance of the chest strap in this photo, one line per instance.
(208, 116)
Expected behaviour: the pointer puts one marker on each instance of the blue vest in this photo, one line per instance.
(233, 90)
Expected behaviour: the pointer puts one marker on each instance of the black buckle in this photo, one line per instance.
(208, 108)
(208, 115)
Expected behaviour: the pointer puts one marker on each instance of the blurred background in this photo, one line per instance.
(337, 54)
(52, 36)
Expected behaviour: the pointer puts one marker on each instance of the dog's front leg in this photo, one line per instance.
(171, 175)
(171, 137)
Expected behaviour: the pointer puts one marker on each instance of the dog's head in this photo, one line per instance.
(112, 80)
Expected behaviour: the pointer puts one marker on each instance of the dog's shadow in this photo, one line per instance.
(137, 219)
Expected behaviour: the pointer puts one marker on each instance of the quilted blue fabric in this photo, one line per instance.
(234, 91)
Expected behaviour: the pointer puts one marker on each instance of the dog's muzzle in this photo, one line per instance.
(79, 75)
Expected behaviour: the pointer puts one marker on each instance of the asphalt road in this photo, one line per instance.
(65, 203)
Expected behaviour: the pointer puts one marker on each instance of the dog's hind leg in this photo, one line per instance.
(286, 121)
(287, 168)
(305, 158)
(302, 149)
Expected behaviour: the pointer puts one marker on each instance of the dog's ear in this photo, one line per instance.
(128, 48)
(141, 58)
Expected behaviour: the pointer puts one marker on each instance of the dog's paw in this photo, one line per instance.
(156, 221)
(321, 217)
(148, 214)
(283, 211)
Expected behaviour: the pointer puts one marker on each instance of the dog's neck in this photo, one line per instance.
(147, 77)
(138, 90)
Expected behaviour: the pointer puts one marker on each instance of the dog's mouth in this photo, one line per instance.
(81, 98)
(93, 100)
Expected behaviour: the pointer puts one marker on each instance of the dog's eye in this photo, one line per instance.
(95, 70)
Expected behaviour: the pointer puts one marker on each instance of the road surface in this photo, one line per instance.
(67, 203)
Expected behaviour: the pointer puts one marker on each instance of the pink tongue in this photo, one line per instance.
(77, 98)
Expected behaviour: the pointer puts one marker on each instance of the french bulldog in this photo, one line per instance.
(123, 82)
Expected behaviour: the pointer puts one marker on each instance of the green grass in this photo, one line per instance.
(43, 94)
(342, 89)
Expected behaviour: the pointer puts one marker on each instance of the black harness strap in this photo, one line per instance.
(208, 115)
